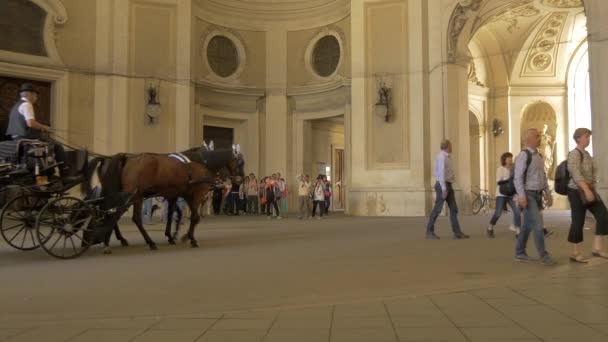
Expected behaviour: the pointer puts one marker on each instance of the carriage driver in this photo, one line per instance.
(22, 123)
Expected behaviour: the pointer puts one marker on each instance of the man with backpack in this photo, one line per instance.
(531, 186)
(578, 179)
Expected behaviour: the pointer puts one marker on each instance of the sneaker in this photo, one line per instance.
(431, 236)
(547, 232)
(514, 229)
(279, 217)
(461, 236)
(318, 217)
(524, 258)
(490, 233)
(548, 260)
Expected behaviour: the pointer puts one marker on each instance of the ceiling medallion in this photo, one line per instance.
(546, 45)
(541, 62)
(563, 3)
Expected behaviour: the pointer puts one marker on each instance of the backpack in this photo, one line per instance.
(562, 176)
(277, 191)
(507, 187)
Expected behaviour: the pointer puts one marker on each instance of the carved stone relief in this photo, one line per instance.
(563, 3)
(513, 12)
(543, 53)
(473, 75)
(463, 11)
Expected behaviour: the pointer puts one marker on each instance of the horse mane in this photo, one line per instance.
(213, 160)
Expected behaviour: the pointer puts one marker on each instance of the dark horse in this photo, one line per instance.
(150, 174)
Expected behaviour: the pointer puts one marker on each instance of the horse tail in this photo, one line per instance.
(90, 169)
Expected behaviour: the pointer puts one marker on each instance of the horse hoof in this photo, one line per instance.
(172, 242)
(124, 243)
(154, 247)
(194, 244)
(107, 250)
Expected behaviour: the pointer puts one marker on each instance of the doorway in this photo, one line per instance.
(222, 137)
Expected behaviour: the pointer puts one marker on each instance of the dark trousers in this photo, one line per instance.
(232, 203)
(439, 201)
(272, 203)
(578, 211)
(217, 201)
(321, 205)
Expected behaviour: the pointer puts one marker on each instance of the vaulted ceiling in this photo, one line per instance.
(523, 37)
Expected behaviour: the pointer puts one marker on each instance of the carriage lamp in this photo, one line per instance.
(383, 106)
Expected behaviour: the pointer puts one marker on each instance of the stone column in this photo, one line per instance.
(111, 81)
(597, 28)
(275, 125)
(456, 111)
(184, 92)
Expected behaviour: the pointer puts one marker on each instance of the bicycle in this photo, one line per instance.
(481, 201)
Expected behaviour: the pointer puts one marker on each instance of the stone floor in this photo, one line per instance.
(338, 279)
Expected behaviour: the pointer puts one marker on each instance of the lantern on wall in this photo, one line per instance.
(383, 106)
(152, 104)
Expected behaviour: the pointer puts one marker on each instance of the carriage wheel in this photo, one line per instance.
(477, 205)
(18, 221)
(64, 227)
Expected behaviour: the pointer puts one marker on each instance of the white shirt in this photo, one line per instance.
(26, 109)
(444, 170)
(502, 174)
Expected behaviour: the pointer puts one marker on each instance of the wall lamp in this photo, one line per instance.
(497, 127)
(383, 106)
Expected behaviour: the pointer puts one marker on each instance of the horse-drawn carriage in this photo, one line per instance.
(39, 212)
(37, 209)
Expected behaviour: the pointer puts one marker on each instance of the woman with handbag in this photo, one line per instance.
(503, 174)
(582, 197)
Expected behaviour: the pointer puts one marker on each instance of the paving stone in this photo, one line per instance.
(97, 335)
(183, 335)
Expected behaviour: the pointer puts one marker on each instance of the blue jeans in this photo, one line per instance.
(147, 211)
(439, 200)
(532, 222)
(500, 205)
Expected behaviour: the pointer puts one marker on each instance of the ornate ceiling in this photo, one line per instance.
(530, 30)
(263, 14)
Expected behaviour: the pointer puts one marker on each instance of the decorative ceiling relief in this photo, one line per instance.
(563, 3)
(543, 52)
(508, 12)
(463, 11)
(513, 12)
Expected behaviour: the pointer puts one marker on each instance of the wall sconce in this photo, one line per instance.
(497, 127)
(152, 104)
(383, 106)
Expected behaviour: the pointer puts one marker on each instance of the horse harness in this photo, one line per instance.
(182, 158)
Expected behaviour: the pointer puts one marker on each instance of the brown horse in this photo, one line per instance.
(168, 176)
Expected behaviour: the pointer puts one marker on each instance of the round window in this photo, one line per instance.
(223, 56)
(326, 56)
